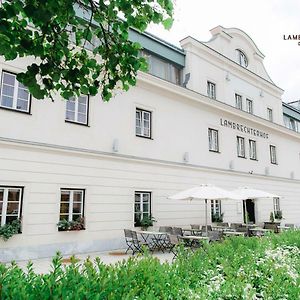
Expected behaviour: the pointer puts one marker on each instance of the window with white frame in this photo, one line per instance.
(77, 110)
(10, 204)
(71, 204)
(273, 156)
(241, 58)
(211, 90)
(142, 206)
(238, 101)
(241, 147)
(249, 106)
(14, 95)
(215, 210)
(270, 114)
(143, 123)
(213, 140)
(252, 150)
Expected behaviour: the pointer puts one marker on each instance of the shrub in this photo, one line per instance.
(238, 268)
(9, 229)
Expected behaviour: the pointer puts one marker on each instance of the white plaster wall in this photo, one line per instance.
(110, 183)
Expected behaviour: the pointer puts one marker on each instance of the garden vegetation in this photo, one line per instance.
(237, 268)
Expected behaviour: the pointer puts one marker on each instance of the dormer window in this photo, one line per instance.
(242, 58)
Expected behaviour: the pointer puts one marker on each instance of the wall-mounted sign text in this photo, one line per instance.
(243, 128)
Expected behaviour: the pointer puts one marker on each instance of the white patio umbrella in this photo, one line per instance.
(249, 193)
(205, 192)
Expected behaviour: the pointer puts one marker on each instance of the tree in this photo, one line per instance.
(59, 34)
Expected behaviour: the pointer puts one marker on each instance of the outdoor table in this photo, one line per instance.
(259, 231)
(157, 241)
(192, 231)
(220, 228)
(193, 240)
(282, 228)
(234, 233)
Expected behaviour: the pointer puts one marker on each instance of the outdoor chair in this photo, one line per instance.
(133, 243)
(242, 229)
(209, 228)
(291, 226)
(173, 244)
(214, 236)
(196, 229)
(177, 231)
(272, 226)
(223, 224)
(167, 229)
(194, 226)
(164, 240)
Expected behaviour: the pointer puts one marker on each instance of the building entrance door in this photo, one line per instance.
(249, 211)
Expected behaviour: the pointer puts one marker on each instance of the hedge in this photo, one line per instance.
(237, 268)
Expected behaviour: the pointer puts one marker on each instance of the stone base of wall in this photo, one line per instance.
(49, 250)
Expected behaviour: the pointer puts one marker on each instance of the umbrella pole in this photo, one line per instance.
(206, 216)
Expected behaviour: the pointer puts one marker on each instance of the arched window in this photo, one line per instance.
(242, 58)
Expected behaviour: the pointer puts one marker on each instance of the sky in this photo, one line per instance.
(265, 21)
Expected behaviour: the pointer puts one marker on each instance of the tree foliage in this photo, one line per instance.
(79, 46)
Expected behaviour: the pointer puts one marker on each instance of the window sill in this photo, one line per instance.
(70, 230)
(254, 159)
(77, 123)
(276, 164)
(16, 110)
(242, 157)
(213, 151)
(144, 137)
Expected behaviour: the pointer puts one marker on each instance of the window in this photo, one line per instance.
(143, 123)
(14, 95)
(142, 206)
(291, 123)
(238, 101)
(213, 140)
(242, 58)
(273, 156)
(276, 204)
(252, 150)
(216, 210)
(10, 204)
(211, 90)
(241, 147)
(249, 106)
(77, 110)
(270, 114)
(71, 204)
(162, 68)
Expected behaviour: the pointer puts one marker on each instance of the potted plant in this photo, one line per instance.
(9, 229)
(76, 225)
(146, 222)
(217, 218)
(278, 215)
(272, 224)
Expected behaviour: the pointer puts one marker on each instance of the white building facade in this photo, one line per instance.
(215, 117)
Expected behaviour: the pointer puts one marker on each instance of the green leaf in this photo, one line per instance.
(168, 23)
